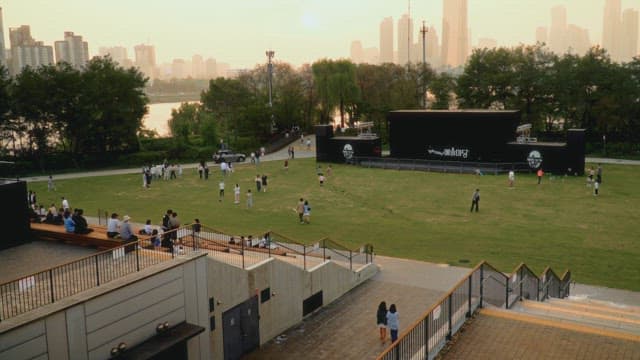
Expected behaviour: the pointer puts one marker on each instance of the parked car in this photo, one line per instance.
(228, 156)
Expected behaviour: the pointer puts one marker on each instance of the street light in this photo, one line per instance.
(270, 54)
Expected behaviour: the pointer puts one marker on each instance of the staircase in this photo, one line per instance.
(584, 315)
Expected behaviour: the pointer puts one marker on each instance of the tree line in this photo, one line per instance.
(85, 114)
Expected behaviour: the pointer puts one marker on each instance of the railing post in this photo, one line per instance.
(242, 251)
(537, 288)
(481, 286)
(469, 297)
(53, 298)
(397, 350)
(506, 294)
(350, 260)
(449, 333)
(521, 279)
(324, 250)
(97, 271)
(304, 257)
(137, 256)
(193, 239)
(426, 337)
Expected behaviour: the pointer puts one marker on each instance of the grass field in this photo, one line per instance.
(406, 214)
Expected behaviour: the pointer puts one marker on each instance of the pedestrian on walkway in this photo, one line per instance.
(381, 319)
(393, 322)
(475, 200)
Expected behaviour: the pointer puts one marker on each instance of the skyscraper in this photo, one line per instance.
(386, 40)
(72, 50)
(211, 71)
(117, 54)
(433, 47)
(577, 40)
(198, 70)
(558, 32)
(357, 52)
(3, 58)
(25, 51)
(146, 59)
(629, 42)
(611, 26)
(455, 32)
(541, 35)
(405, 39)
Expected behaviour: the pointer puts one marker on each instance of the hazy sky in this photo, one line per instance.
(239, 31)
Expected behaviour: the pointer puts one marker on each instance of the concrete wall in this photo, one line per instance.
(129, 314)
(289, 286)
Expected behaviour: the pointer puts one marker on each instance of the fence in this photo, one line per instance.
(483, 284)
(440, 166)
(51, 285)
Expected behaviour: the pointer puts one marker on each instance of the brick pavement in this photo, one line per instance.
(489, 337)
(346, 329)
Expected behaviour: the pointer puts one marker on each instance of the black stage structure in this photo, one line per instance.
(14, 213)
(457, 140)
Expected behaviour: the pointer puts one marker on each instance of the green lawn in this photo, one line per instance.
(407, 214)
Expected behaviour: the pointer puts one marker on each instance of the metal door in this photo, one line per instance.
(241, 329)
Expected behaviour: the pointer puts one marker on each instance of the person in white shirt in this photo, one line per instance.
(236, 194)
(65, 204)
(221, 193)
(512, 178)
(112, 226)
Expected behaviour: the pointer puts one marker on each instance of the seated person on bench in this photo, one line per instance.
(81, 223)
(112, 226)
(126, 233)
(69, 225)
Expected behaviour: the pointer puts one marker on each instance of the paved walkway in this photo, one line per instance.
(301, 152)
(493, 338)
(346, 329)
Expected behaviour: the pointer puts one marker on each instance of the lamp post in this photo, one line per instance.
(270, 54)
(424, 30)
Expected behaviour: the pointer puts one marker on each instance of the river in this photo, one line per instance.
(158, 117)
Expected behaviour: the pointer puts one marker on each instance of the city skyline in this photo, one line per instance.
(287, 26)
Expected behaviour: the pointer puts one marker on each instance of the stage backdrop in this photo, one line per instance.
(14, 214)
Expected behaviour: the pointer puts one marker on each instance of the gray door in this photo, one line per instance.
(240, 329)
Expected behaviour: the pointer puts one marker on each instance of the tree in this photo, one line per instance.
(184, 122)
(441, 88)
(336, 87)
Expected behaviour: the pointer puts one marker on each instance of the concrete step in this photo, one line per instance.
(580, 317)
(588, 306)
(593, 303)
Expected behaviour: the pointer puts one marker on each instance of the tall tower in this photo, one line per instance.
(357, 52)
(558, 32)
(146, 59)
(3, 57)
(455, 32)
(405, 39)
(386, 40)
(611, 26)
(541, 35)
(72, 50)
(629, 41)
(25, 51)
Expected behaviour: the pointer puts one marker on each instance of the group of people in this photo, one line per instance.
(387, 319)
(164, 171)
(595, 182)
(250, 241)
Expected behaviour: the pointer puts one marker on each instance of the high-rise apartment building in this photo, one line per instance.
(611, 28)
(455, 32)
(211, 68)
(197, 67)
(541, 35)
(117, 54)
(72, 50)
(146, 59)
(405, 39)
(356, 52)
(386, 40)
(433, 47)
(371, 55)
(179, 69)
(629, 42)
(558, 32)
(577, 40)
(25, 51)
(3, 57)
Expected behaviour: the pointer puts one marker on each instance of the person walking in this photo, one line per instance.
(393, 322)
(596, 188)
(236, 194)
(249, 199)
(540, 175)
(475, 200)
(221, 192)
(381, 320)
(306, 214)
(300, 210)
(264, 182)
(65, 204)
(512, 178)
(258, 183)
(599, 174)
(50, 185)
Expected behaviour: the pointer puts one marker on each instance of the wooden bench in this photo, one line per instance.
(97, 238)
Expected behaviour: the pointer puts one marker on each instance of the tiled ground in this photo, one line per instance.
(494, 338)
